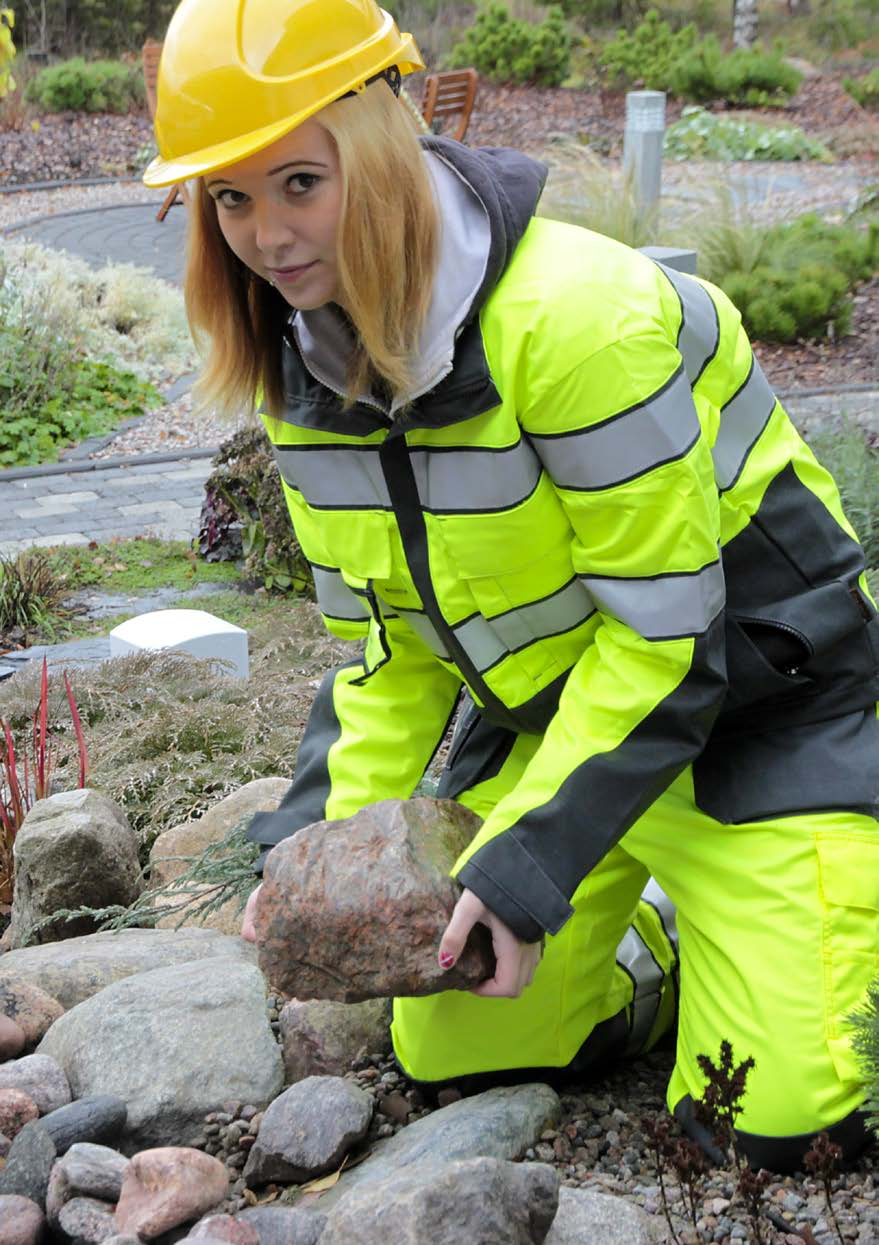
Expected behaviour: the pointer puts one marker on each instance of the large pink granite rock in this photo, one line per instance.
(355, 909)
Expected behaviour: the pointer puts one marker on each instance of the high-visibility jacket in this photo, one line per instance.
(595, 516)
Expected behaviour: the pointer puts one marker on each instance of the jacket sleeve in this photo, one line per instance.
(621, 439)
(374, 724)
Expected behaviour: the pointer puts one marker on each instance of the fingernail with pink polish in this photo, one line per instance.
(446, 959)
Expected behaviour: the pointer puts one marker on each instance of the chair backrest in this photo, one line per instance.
(151, 55)
(447, 95)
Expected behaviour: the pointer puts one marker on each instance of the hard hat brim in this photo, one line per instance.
(161, 172)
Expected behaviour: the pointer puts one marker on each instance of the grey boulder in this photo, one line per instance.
(77, 968)
(308, 1130)
(172, 1043)
(75, 849)
(86, 1170)
(282, 1225)
(500, 1124)
(587, 1216)
(486, 1200)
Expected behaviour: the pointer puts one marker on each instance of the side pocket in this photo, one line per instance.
(848, 871)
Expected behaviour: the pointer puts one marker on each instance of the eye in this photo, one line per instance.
(230, 199)
(299, 183)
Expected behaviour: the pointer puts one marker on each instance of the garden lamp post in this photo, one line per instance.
(642, 146)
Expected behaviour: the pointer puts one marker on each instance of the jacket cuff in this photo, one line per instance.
(513, 885)
(267, 829)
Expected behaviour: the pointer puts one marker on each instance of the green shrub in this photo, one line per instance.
(864, 90)
(244, 514)
(662, 59)
(87, 86)
(505, 49)
(701, 135)
(839, 24)
(648, 54)
(799, 281)
(745, 76)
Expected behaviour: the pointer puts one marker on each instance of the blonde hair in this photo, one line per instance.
(387, 250)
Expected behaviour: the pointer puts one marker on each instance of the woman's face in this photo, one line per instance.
(279, 212)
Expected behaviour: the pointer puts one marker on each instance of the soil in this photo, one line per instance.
(78, 146)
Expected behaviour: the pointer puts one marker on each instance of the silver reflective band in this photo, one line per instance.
(335, 598)
(742, 421)
(423, 627)
(335, 477)
(626, 446)
(637, 961)
(488, 640)
(699, 334)
(456, 480)
(664, 608)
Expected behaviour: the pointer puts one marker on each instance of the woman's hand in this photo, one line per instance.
(516, 960)
(247, 930)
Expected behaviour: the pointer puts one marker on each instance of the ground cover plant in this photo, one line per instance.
(703, 135)
(865, 90)
(87, 86)
(31, 599)
(79, 349)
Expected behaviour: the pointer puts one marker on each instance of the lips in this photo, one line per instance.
(280, 275)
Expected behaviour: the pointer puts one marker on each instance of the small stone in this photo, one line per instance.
(167, 1186)
(16, 1109)
(395, 1106)
(282, 1225)
(29, 1163)
(225, 1228)
(85, 1171)
(308, 1130)
(30, 1007)
(21, 1221)
(41, 1078)
(87, 1220)
(446, 1097)
(12, 1038)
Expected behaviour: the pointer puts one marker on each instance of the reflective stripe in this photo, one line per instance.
(627, 445)
(423, 627)
(636, 960)
(449, 481)
(488, 640)
(479, 480)
(665, 607)
(332, 477)
(742, 421)
(699, 334)
(335, 598)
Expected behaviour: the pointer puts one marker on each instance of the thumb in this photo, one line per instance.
(468, 910)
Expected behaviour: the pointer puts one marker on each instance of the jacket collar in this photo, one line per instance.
(486, 198)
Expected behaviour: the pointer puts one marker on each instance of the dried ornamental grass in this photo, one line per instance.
(168, 736)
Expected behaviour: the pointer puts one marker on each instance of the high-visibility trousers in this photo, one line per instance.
(778, 922)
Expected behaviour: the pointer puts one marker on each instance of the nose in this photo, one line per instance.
(273, 233)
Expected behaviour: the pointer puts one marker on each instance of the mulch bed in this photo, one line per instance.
(77, 146)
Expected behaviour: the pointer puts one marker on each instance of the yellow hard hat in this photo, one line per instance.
(236, 75)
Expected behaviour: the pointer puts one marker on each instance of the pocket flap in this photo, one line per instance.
(849, 869)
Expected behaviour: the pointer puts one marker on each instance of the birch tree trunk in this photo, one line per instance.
(744, 23)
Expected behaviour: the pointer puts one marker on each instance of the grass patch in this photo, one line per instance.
(138, 565)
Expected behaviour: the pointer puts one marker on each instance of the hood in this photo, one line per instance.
(486, 197)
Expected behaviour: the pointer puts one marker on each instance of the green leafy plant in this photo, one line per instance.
(78, 85)
(865, 90)
(701, 135)
(505, 49)
(25, 777)
(244, 515)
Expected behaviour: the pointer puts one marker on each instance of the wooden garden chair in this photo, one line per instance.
(152, 54)
(448, 95)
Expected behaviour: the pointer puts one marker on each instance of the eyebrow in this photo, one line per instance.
(314, 164)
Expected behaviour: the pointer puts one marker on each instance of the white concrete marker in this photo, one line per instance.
(186, 631)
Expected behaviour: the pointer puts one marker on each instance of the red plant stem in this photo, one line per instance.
(18, 809)
(80, 737)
